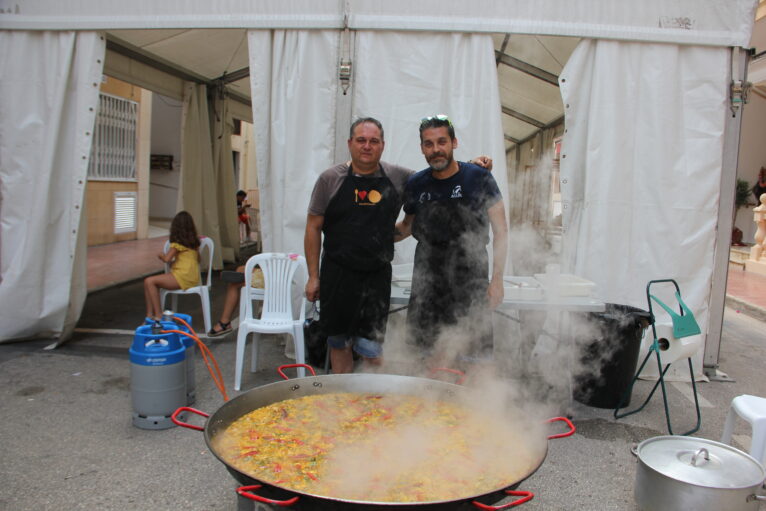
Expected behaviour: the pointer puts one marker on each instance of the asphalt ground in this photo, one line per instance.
(67, 440)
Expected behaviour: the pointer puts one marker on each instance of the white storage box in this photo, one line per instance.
(522, 288)
(568, 284)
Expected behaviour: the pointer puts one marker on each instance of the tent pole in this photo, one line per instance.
(345, 91)
(738, 75)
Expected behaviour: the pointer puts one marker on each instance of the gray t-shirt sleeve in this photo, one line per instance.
(398, 175)
(325, 188)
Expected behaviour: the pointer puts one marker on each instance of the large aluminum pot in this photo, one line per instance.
(680, 472)
(362, 383)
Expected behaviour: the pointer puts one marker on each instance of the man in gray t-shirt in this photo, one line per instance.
(329, 181)
(355, 206)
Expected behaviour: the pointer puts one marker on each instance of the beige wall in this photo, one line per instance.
(100, 208)
(99, 195)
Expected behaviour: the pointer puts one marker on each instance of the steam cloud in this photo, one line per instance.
(536, 359)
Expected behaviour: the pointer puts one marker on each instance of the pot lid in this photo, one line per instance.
(701, 462)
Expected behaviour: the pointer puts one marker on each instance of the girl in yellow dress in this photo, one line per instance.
(183, 255)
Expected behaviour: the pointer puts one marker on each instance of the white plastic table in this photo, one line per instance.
(400, 295)
(555, 307)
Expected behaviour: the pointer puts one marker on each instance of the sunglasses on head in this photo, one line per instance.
(439, 117)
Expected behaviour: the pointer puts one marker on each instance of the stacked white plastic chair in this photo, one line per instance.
(279, 274)
(753, 410)
(203, 290)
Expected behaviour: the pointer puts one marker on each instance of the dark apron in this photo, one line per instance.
(355, 274)
(450, 278)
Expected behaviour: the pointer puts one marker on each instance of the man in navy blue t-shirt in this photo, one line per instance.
(449, 208)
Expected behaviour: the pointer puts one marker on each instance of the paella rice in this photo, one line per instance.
(378, 448)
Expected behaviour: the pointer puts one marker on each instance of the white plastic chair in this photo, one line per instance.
(277, 312)
(203, 290)
(753, 410)
(242, 233)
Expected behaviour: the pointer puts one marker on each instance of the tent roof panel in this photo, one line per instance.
(549, 53)
(517, 129)
(241, 86)
(143, 37)
(707, 22)
(528, 95)
(208, 52)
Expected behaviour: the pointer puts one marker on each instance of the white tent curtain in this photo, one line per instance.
(225, 190)
(78, 286)
(48, 102)
(294, 85)
(641, 168)
(398, 79)
(199, 191)
(402, 77)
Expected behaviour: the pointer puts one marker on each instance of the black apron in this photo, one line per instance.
(355, 274)
(450, 277)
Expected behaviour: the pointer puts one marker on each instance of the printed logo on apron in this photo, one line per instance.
(367, 197)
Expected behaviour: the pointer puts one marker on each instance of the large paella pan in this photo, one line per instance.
(483, 455)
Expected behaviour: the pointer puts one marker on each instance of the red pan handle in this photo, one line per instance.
(246, 491)
(288, 366)
(179, 422)
(448, 370)
(571, 431)
(526, 496)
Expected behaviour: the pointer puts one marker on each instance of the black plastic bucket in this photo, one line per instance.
(610, 359)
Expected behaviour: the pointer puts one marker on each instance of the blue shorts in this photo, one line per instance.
(361, 345)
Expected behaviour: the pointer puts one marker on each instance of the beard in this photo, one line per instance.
(445, 162)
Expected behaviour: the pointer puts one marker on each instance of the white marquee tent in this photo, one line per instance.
(649, 152)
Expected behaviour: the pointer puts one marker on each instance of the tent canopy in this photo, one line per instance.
(205, 41)
(164, 45)
(528, 69)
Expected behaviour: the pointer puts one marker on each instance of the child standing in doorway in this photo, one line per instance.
(183, 255)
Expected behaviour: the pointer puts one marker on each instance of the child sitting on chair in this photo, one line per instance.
(183, 255)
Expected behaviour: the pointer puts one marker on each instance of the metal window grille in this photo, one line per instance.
(113, 154)
(125, 212)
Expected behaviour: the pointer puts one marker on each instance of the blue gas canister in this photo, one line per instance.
(168, 323)
(157, 377)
